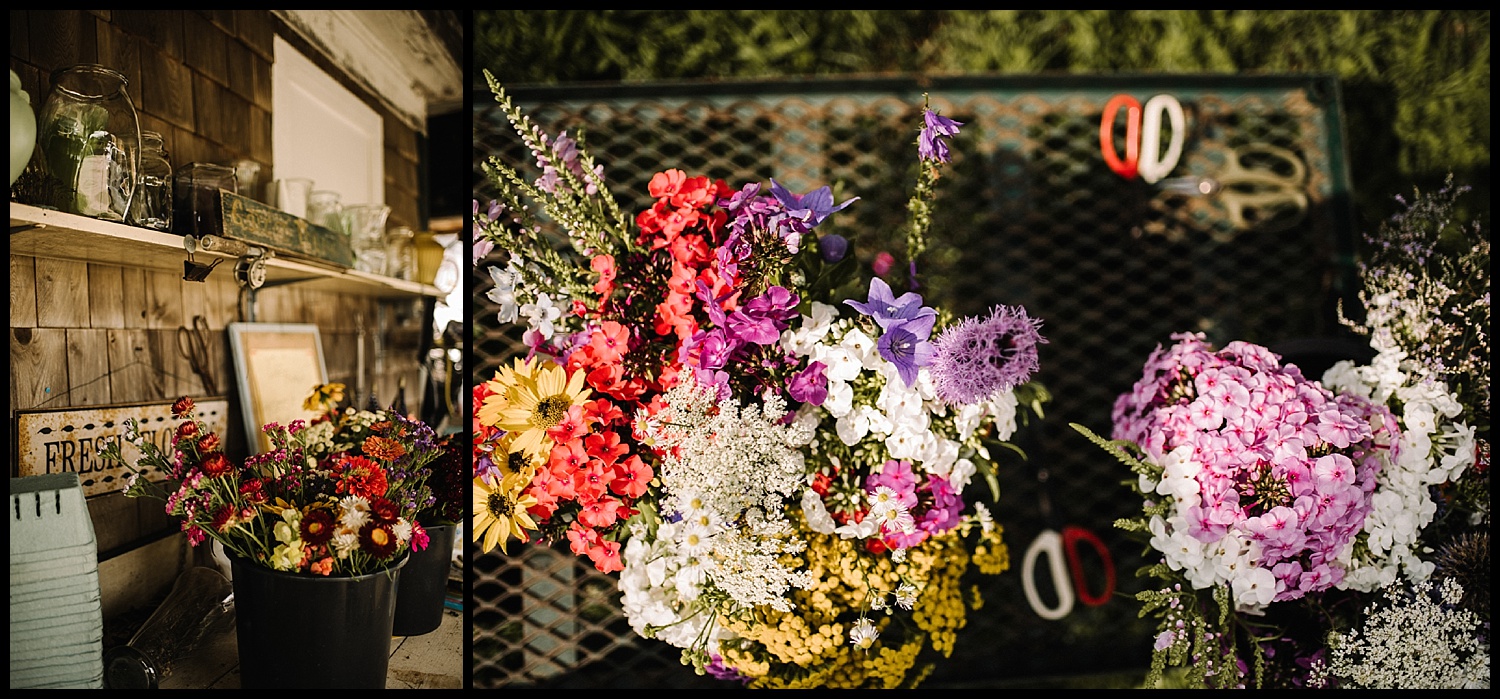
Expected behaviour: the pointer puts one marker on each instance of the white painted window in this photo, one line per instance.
(323, 132)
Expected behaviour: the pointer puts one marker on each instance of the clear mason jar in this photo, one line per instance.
(152, 205)
(90, 142)
(400, 253)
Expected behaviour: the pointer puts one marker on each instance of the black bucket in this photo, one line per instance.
(424, 584)
(298, 630)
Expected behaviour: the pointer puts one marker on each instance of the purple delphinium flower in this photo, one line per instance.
(906, 345)
(811, 208)
(887, 310)
(930, 144)
(982, 356)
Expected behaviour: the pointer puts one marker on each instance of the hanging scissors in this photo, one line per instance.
(1143, 132)
(192, 344)
(1261, 186)
(1063, 563)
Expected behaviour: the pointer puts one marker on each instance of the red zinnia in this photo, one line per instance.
(383, 510)
(317, 527)
(377, 539)
(208, 442)
(216, 464)
(362, 477)
(182, 406)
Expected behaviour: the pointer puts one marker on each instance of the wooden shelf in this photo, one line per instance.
(39, 232)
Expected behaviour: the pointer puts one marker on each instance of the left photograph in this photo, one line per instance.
(238, 445)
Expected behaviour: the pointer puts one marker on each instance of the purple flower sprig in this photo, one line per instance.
(930, 143)
(905, 324)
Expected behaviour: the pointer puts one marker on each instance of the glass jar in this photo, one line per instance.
(89, 139)
(324, 209)
(366, 226)
(400, 254)
(152, 205)
(197, 197)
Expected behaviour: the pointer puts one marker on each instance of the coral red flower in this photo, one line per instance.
(573, 426)
(216, 464)
(599, 512)
(631, 477)
(606, 447)
(360, 476)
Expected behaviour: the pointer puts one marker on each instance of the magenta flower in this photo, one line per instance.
(980, 357)
(809, 385)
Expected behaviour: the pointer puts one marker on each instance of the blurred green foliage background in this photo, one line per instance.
(1416, 83)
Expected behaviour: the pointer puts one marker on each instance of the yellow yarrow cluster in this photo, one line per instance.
(810, 648)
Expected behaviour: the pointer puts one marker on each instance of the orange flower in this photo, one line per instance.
(377, 447)
(362, 477)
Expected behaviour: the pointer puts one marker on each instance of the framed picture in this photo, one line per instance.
(278, 365)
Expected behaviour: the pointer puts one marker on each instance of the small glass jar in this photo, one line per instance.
(366, 226)
(196, 195)
(324, 209)
(89, 139)
(400, 253)
(151, 207)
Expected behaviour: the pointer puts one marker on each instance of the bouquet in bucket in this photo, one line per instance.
(300, 507)
(773, 455)
(1324, 533)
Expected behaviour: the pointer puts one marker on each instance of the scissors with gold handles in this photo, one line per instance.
(1261, 186)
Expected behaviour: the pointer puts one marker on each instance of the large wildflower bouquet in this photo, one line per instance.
(777, 469)
(1296, 523)
(297, 507)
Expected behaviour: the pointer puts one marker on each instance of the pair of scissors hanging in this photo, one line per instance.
(1059, 543)
(1261, 186)
(192, 344)
(1143, 132)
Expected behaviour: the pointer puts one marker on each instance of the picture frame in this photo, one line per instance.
(277, 365)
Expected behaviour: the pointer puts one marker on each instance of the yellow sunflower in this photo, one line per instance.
(500, 512)
(500, 388)
(539, 399)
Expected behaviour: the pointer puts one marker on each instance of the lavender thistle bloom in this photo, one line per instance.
(982, 356)
(930, 144)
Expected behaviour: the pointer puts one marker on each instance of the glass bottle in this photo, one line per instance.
(324, 209)
(400, 255)
(199, 608)
(89, 139)
(152, 205)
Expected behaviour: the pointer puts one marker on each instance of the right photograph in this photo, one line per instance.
(979, 349)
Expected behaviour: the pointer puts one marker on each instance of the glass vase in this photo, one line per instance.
(151, 207)
(89, 140)
(365, 224)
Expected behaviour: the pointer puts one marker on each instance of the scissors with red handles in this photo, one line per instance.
(1143, 132)
(1064, 565)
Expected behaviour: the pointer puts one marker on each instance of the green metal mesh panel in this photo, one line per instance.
(1028, 214)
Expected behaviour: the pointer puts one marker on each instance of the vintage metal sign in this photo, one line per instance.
(68, 440)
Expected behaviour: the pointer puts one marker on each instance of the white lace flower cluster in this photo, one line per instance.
(900, 419)
(726, 473)
(1434, 448)
(1411, 641)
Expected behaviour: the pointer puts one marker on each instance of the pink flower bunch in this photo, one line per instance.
(1268, 476)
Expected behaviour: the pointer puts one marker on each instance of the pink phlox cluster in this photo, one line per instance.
(1273, 459)
(933, 503)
